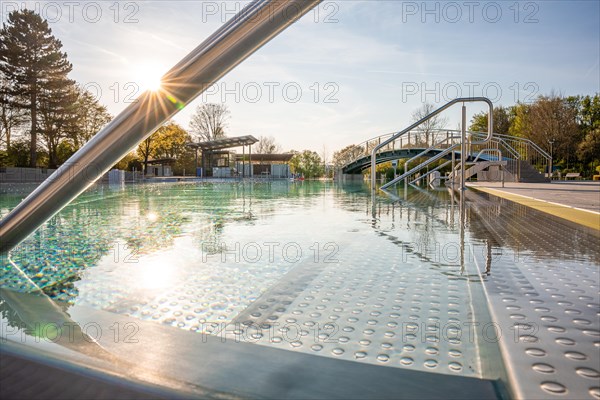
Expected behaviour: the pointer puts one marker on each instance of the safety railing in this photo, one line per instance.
(406, 175)
(476, 147)
(431, 171)
(515, 150)
(511, 155)
(448, 143)
(416, 138)
(476, 166)
(415, 125)
(529, 151)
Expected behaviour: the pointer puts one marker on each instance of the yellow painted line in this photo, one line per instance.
(587, 218)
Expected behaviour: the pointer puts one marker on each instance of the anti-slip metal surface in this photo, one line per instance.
(392, 286)
(543, 287)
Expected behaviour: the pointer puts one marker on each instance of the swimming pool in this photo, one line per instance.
(447, 286)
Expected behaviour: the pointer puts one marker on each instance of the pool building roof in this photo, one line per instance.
(225, 143)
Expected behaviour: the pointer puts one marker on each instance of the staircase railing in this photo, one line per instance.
(514, 149)
(511, 155)
(427, 118)
(493, 145)
(416, 138)
(529, 151)
(436, 146)
(419, 167)
(431, 171)
(500, 161)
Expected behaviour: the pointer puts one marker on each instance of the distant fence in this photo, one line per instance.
(24, 175)
(30, 175)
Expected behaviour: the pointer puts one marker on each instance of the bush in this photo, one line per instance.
(4, 159)
(19, 154)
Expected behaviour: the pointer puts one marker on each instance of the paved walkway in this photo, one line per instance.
(576, 201)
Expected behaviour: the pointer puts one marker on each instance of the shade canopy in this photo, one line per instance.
(225, 143)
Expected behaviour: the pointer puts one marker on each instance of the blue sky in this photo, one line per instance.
(346, 72)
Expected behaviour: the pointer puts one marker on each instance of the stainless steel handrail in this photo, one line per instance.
(415, 169)
(502, 137)
(250, 29)
(488, 150)
(501, 141)
(524, 140)
(416, 132)
(425, 119)
(406, 174)
(474, 162)
(425, 175)
(427, 150)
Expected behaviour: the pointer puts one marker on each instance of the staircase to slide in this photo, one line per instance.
(423, 152)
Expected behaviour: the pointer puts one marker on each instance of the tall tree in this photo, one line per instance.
(588, 149)
(588, 111)
(588, 119)
(553, 119)
(520, 120)
(34, 65)
(58, 114)
(209, 122)
(170, 141)
(91, 117)
(145, 150)
(502, 121)
(308, 164)
(432, 124)
(10, 117)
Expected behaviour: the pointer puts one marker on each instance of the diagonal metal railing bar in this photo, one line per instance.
(236, 40)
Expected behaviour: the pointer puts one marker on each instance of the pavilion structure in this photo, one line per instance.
(216, 155)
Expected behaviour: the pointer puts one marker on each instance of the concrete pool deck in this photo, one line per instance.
(575, 201)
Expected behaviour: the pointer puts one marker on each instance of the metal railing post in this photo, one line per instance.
(453, 164)
(463, 147)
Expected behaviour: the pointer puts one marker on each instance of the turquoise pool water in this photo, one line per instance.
(308, 267)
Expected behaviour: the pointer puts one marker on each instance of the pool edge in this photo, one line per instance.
(589, 219)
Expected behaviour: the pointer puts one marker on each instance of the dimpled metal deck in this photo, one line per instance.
(391, 306)
(373, 311)
(395, 294)
(547, 307)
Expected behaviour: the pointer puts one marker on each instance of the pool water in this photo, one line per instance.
(308, 267)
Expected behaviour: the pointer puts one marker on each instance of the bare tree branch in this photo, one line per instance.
(429, 126)
(209, 122)
(267, 145)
